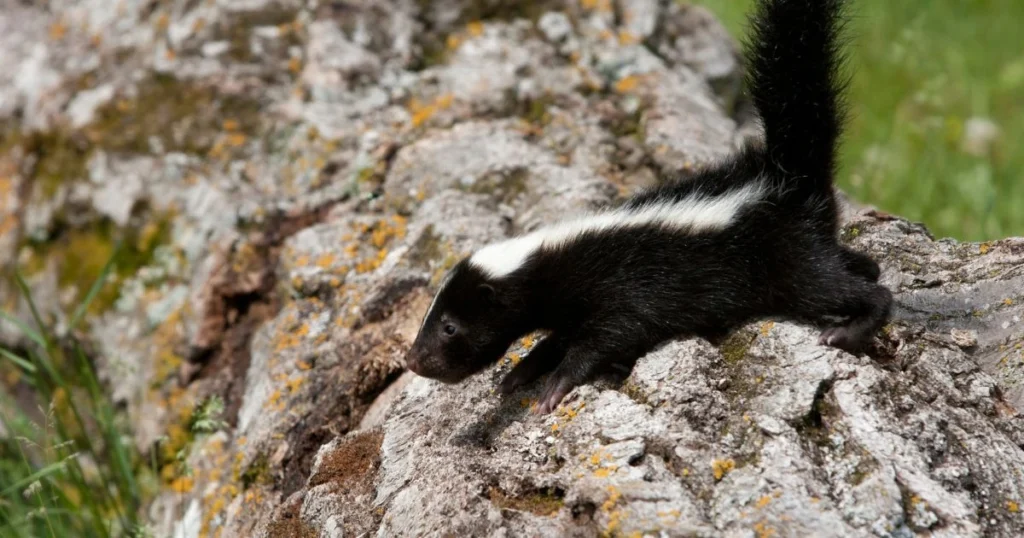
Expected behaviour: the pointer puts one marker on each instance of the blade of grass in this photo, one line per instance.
(38, 475)
(18, 361)
(122, 472)
(32, 335)
(27, 294)
(95, 289)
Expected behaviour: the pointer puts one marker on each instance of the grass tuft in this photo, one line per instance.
(67, 466)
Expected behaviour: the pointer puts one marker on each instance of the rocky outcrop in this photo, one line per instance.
(291, 179)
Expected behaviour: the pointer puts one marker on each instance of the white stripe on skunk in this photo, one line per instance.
(693, 215)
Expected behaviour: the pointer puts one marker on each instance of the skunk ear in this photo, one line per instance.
(488, 293)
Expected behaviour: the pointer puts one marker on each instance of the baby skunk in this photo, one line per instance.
(752, 237)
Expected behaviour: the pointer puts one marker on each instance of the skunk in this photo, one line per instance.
(752, 237)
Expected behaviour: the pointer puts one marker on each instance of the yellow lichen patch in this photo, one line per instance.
(628, 38)
(984, 248)
(325, 261)
(604, 6)
(669, 514)
(1012, 506)
(294, 65)
(766, 327)
(453, 41)
(763, 501)
(628, 83)
(514, 358)
(274, 401)
(762, 530)
(605, 472)
(163, 21)
(58, 30)
(303, 365)
(422, 112)
(182, 484)
(614, 517)
(528, 342)
(720, 468)
(236, 140)
(230, 125)
(475, 28)
(294, 383)
(1007, 302)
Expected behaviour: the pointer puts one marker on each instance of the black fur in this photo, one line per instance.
(610, 297)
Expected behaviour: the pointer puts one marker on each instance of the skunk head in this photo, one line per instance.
(470, 324)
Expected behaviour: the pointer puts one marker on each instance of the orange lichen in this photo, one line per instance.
(984, 248)
(628, 38)
(236, 139)
(475, 28)
(58, 30)
(1012, 506)
(763, 501)
(766, 327)
(627, 84)
(294, 65)
(763, 530)
(182, 484)
(422, 112)
(720, 468)
(325, 261)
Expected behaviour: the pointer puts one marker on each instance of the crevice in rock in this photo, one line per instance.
(241, 298)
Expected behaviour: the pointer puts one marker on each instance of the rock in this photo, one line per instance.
(293, 179)
(556, 26)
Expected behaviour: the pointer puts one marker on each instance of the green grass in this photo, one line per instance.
(920, 71)
(67, 464)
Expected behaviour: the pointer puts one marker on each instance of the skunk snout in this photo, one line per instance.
(414, 361)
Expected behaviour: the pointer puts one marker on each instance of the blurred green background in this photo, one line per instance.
(937, 111)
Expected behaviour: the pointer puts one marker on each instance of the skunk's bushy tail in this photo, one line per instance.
(794, 78)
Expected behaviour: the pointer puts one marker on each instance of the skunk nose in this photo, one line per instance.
(414, 362)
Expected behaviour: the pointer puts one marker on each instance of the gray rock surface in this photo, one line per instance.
(293, 178)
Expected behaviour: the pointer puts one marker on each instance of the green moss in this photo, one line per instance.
(850, 233)
(426, 249)
(635, 393)
(238, 31)
(183, 116)
(504, 186)
(257, 473)
(484, 10)
(535, 110)
(629, 125)
(541, 502)
(81, 254)
(735, 347)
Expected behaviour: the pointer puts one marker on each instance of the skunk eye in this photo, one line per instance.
(449, 329)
